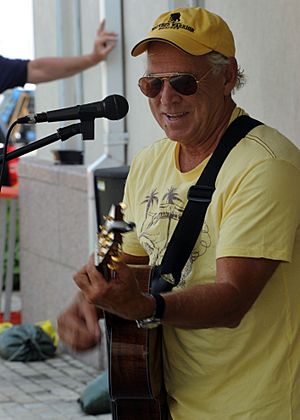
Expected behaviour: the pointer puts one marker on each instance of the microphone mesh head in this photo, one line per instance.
(116, 107)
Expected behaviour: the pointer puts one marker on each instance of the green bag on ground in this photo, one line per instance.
(95, 397)
(26, 343)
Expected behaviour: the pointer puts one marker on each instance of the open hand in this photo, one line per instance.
(104, 43)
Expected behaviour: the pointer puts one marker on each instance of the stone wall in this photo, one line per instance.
(53, 237)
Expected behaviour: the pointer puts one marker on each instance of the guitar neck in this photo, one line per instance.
(104, 270)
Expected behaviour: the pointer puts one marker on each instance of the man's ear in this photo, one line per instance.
(230, 76)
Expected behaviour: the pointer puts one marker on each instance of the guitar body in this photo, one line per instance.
(135, 365)
(134, 354)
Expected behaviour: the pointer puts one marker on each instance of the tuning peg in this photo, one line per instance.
(103, 232)
(123, 205)
(103, 241)
(112, 266)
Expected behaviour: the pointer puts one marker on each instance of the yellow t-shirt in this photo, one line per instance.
(252, 371)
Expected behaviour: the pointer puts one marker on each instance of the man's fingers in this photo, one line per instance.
(101, 27)
(91, 319)
(76, 335)
(82, 280)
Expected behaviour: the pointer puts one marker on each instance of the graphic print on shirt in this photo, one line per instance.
(165, 209)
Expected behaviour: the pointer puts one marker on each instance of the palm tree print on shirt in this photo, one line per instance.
(150, 200)
(159, 206)
(170, 198)
(166, 206)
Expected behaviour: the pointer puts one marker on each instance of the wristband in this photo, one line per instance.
(158, 313)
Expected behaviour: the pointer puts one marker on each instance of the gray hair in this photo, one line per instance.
(218, 61)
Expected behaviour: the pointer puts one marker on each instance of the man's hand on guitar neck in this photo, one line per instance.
(78, 325)
(121, 296)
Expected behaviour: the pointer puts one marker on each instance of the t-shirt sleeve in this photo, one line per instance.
(13, 73)
(261, 216)
(131, 243)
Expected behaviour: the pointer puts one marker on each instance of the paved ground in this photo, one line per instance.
(44, 390)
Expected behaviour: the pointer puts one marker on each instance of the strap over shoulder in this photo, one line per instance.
(199, 197)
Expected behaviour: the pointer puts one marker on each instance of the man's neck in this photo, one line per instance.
(191, 156)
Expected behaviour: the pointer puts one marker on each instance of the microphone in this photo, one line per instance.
(113, 107)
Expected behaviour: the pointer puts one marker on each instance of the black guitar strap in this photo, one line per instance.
(181, 244)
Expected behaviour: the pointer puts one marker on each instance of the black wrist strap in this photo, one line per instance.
(160, 306)
(199, 197)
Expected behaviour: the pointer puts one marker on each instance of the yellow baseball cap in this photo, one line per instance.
(193, 29)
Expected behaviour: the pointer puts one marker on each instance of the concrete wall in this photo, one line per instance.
(268, 43)
(54, 241)
(53, 235)
(54, 39)
(140, 125)
(59, 32)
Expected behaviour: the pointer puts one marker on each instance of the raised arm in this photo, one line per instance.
(46, 69)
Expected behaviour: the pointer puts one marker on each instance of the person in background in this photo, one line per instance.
(17, 72)
(231, 326)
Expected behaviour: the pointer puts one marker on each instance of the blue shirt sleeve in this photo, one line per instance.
(13, 73)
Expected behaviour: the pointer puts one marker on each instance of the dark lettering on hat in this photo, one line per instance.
(175, 17)
(172, 25)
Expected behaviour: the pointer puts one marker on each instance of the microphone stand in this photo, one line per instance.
(62, 134)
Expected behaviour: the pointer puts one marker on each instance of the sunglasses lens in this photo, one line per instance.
(150, 86)
(185, 84)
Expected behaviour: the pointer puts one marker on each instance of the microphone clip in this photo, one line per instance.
(87, 129)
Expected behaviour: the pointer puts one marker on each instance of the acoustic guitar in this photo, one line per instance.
(134, 354)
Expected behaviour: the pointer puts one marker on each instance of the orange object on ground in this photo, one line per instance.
(9, 192)
(15, 317)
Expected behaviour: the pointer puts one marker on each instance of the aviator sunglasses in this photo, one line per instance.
(183, 83)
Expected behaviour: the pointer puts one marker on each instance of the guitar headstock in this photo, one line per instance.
(109, 240)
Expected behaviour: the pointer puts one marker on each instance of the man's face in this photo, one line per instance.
(192, 119)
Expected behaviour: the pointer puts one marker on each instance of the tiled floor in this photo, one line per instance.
(44, 390)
